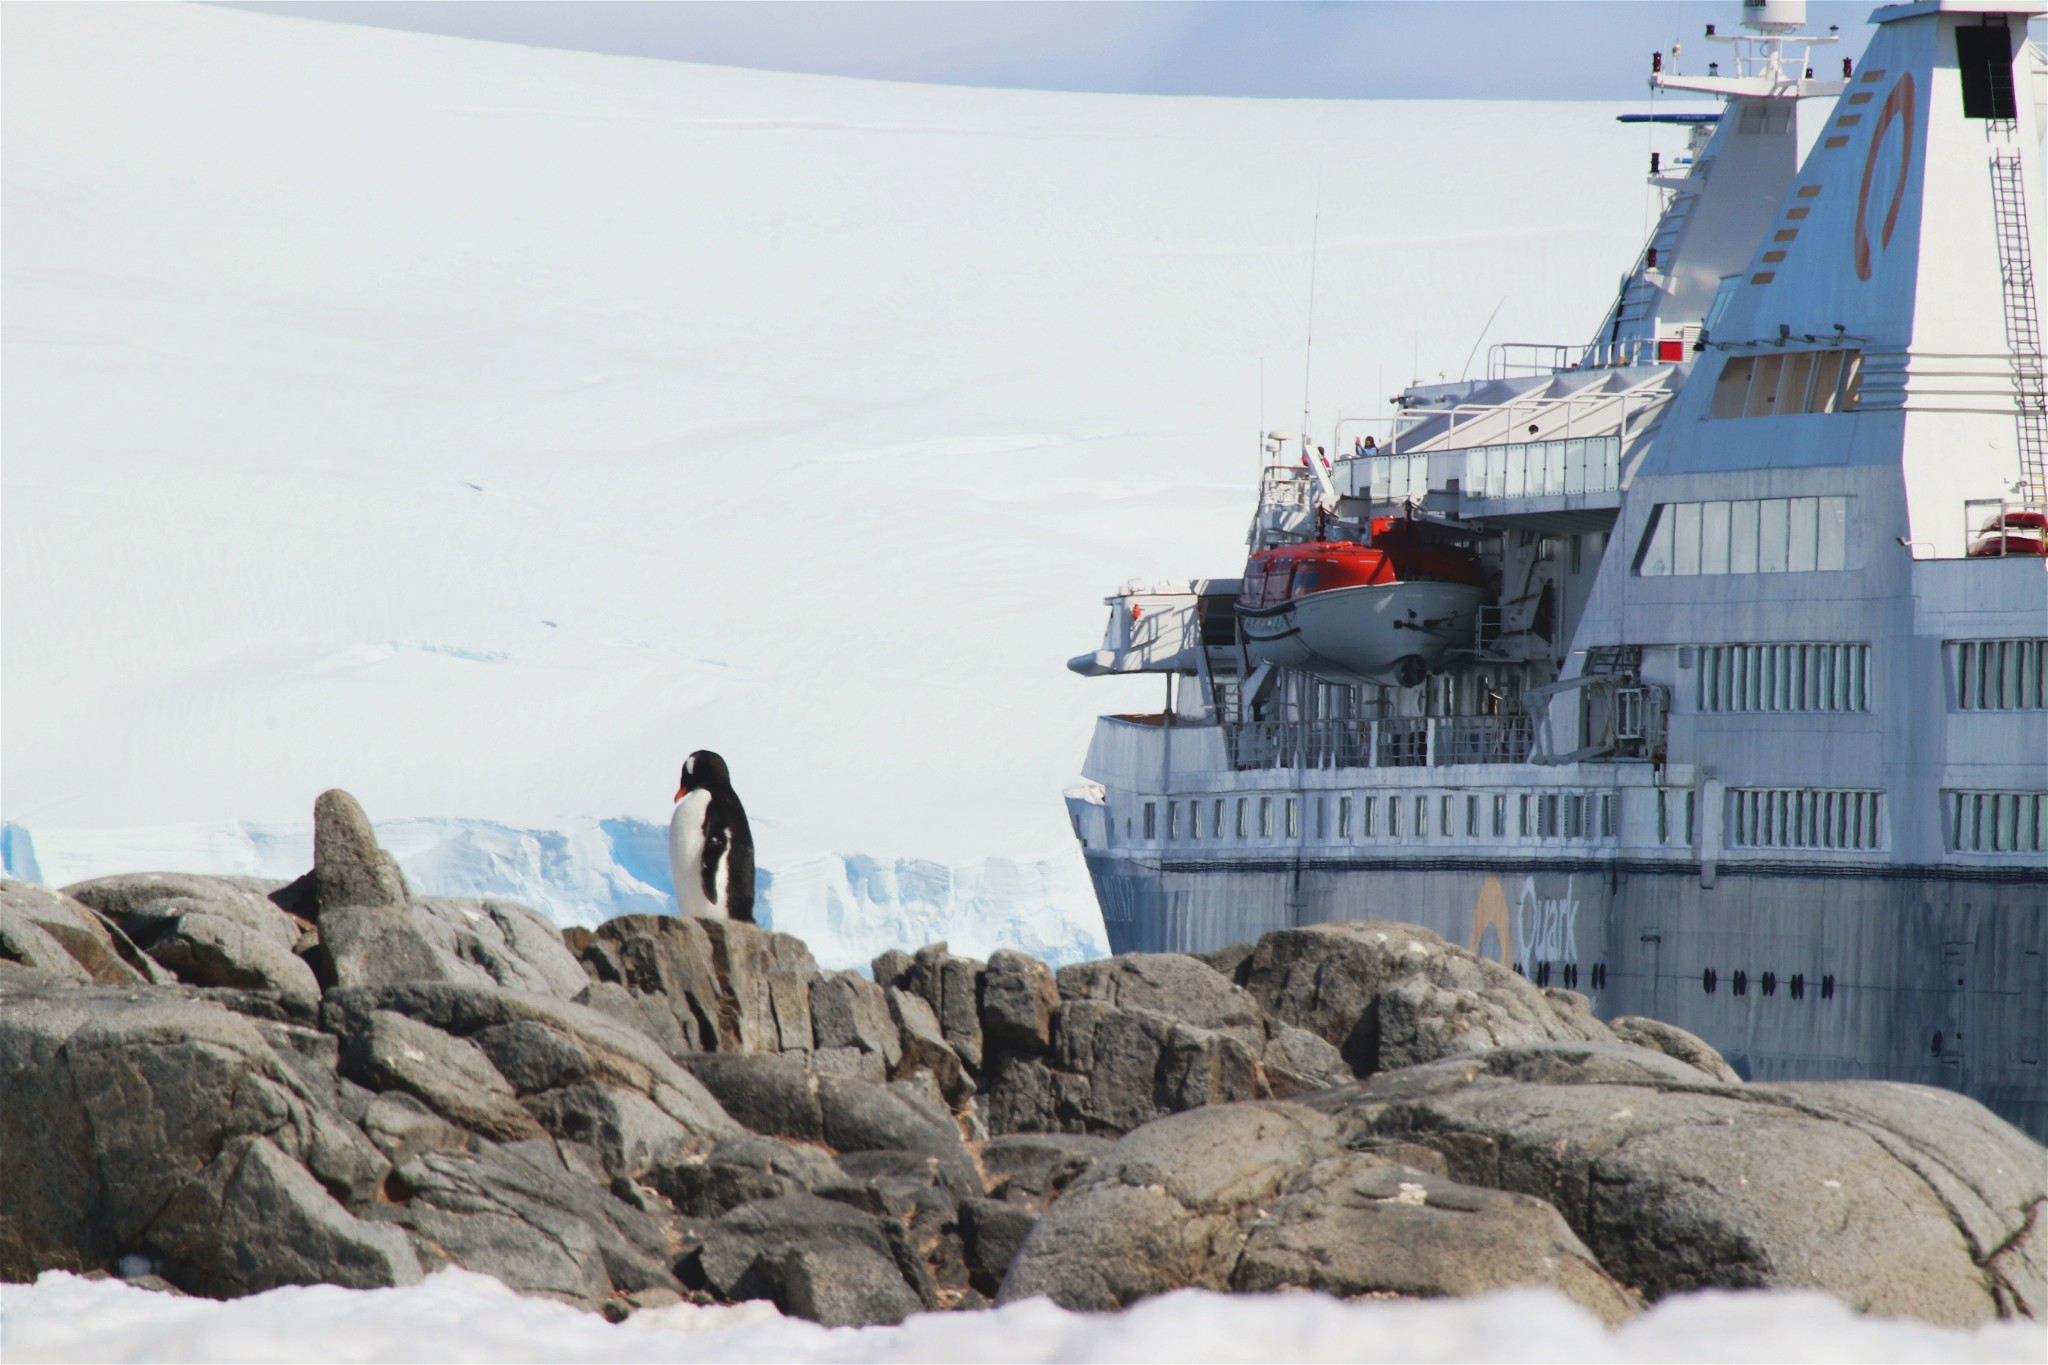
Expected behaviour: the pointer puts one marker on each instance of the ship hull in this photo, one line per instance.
(1365, 632)
(1903, 974)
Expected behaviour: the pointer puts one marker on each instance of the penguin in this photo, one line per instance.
(710, 848)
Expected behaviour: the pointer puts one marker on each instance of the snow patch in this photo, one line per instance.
(458, 1316)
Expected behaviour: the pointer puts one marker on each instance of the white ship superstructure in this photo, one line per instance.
(1746, 725)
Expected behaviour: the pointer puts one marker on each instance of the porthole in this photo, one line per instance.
(1770, 983)
(1707, 980)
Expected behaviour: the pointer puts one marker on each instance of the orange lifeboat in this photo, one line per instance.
(1380, 613)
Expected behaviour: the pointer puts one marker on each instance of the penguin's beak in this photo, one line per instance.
(682, 792)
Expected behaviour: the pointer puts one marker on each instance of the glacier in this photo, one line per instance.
(846, 907)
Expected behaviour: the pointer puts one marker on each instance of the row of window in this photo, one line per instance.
(1806, 817)
(1745, 535)
(1547, 815)
(1777, 817)
(1783, 383)
(1784, 677)
(1997, 822)
(2000, 675)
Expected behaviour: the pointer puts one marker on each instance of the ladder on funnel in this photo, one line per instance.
(2022, 319)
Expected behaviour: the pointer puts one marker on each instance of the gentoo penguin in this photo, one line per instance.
(710, 849)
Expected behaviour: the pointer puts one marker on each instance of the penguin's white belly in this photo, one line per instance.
(686, 846)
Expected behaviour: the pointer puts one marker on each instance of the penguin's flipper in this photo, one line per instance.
(741, 887)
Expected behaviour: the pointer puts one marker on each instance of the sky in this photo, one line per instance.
(1392, 49)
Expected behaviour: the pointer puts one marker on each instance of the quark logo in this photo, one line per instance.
(1547, 929)
(1899, 107)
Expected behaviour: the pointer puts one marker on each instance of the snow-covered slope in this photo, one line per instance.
(482, 428)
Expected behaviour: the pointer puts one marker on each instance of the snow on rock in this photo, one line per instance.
(459, 1316)
(846, 907)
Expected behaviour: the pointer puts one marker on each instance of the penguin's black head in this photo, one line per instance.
(703, 769)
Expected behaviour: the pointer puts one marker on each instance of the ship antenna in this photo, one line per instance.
(1482, 336)
(1308, 344)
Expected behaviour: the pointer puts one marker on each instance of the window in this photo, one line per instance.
(1997, 822)
(1393, 817)
(1805, 817)
(1365, 816)
(1500, 817)
(1984, 60)
(1575, 816)
(1472, 817)
(1421, 817)
(1216, 820)
(1265, 817)
(1195, 820)
(1173, 819)
(1688, 819)
(1528, 827)
(1577, 553)
(1444, 816)
(1546, 817)
(1293, 825)
(1779, 384)
(1783, 677)
(1745, 535)
(1322, 829)
(1663, 816)
(1151, 821)
(1999, 675)
(1241, 804)
(1608, 828)
(1343, 817)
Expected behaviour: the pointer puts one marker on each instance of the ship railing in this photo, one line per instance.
(1396, 742)
(1535, 469)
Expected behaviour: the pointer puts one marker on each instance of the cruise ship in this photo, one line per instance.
(1701, 668)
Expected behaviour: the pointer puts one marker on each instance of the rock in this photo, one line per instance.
(992, 1232)
(1893, 1198)
(1022, 1095)
(618, 1056)
(952, 987)
(1033, 1169)
(118, 1098)
(349, 869)
(730, 986)
(1170, 984)
(255, 1219)
(849, 1012)
(532, 1056)
(379, 945)
(781, 1097)
(1674, 1041)
(1392, 995)
(26, 944)
(54, 932)
(630, 1134)
(515, 947)
(213, 950)
(520, 1213)
(891, 968)
(925, 1047)
(744, 1169)
(815, 1258)
(1130, 1066)
(1266, 1196)
(1296, 1062)
(1357, 1224)
(1017, 1002)
(450, 1075)
(403, 1128)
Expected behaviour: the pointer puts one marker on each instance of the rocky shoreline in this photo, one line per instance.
(218, 1086)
